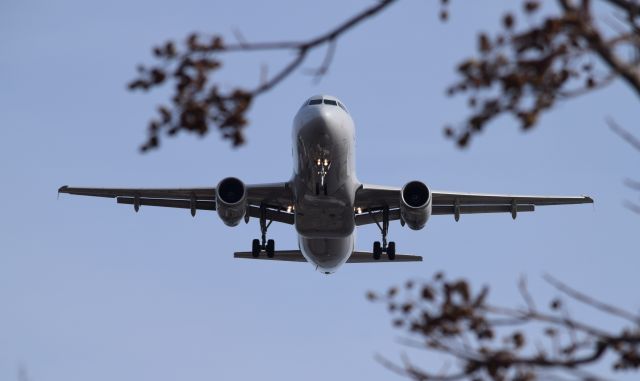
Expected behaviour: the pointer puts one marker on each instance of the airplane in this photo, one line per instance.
(324, 199)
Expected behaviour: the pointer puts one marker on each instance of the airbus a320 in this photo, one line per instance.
(324, 199)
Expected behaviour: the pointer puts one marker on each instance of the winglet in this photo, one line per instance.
(62, 189)
(589, 200)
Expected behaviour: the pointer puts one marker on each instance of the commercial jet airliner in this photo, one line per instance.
(324, 199)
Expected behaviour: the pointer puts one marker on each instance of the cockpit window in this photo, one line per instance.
(331, 102)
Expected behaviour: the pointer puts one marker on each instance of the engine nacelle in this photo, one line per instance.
(415, 204)
(231, 201)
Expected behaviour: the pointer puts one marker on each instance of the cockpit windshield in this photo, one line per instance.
(330, 102)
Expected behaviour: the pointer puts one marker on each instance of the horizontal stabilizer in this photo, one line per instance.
(356, 257)
(366, 257)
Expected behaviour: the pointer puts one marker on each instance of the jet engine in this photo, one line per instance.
(231, 201)
(415, 204)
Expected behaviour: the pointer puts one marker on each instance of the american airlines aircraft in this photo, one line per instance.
(324, 199)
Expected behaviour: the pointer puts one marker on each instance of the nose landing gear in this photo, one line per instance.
(388, 248)
(322, 169)
(263, 244)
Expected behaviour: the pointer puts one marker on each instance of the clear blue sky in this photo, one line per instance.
(89, 290)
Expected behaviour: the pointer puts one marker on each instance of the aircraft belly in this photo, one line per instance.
(324, 217)
(326, 253)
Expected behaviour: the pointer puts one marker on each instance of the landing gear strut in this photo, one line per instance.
(388, 248)
(259, 245)
(322, 168)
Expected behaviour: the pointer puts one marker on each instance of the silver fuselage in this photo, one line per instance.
(325, 223)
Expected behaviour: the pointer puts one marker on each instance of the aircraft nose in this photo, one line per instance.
(319, 121)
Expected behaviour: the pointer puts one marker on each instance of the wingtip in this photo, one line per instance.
(62, 189)
(588, 199)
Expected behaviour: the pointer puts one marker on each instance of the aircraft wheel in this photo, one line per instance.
(255, 248)
(271, 246)
(391, 251)
(317, 189)
(377, 250)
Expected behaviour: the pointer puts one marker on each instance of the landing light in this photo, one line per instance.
(289, 208)
(359, 210)
(326, 162)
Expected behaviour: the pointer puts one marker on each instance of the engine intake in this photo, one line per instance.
(231, 201)
(415, 204)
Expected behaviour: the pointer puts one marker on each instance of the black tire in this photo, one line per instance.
(317, 189)
(271, 248)
(377, 250)
(324, 189)
(391, 251)
(255, 248)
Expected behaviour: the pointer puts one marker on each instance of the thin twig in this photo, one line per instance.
(624, 134)
(577, 295)
(522, 287)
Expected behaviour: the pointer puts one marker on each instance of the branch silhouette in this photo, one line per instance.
(520, 73)
(491, 342)
(198, 102)
(635, 143)
(565, 55)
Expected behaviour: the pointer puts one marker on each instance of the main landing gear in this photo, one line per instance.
(259, 245)
(390, 248)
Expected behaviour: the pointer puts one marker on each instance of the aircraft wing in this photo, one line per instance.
(372, 199)
(276, 197)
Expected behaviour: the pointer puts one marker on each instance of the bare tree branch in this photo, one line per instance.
(632, 206)
(440, 313)
(198, 103)
(624, 134)
(588, 300)
(531, 70)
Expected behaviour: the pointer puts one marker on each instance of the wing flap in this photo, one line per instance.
(473, 209)
(184, 204)
(254, 211)
(394, 214)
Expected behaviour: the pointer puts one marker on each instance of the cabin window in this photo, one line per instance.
(330, 102)
(315, 102)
